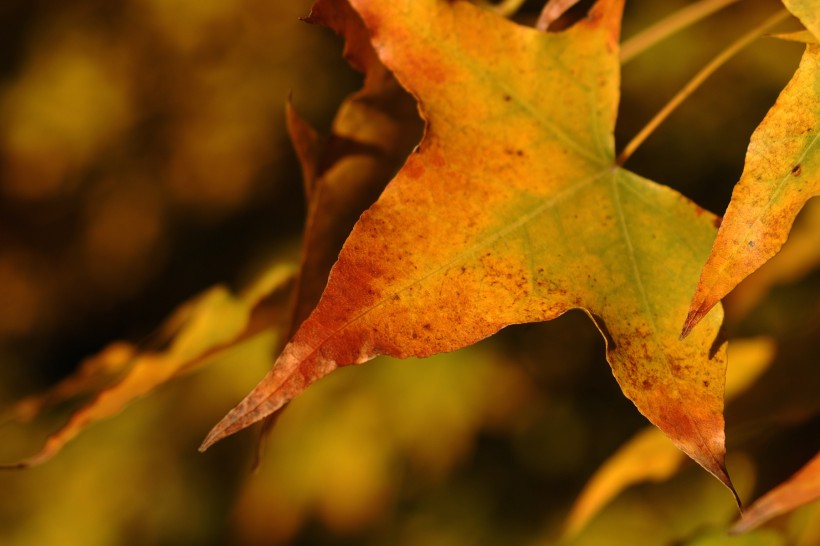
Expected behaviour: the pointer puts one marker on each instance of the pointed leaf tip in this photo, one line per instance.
(299, 365)
(242, 416)
(696, 313)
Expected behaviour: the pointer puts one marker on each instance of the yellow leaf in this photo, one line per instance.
(781, 173)
(799, 256)
(213, 322)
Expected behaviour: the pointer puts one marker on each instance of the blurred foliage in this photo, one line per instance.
(144, 158)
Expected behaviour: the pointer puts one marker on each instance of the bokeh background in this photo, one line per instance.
(144, 159)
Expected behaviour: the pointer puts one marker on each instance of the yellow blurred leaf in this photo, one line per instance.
(213, 322)
(337, 451)
(674, 512)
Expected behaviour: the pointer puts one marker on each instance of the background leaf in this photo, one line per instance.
(214, 322)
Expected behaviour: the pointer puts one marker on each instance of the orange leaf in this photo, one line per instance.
(513, 210)
(782, 172)
(800, 489)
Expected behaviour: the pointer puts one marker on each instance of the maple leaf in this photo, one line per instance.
(513, 210)
(781, 173)
(799, 490)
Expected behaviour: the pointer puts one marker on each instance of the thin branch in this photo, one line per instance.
(696, 82)
(668, 26)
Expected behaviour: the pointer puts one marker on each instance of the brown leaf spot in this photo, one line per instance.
(796, 170)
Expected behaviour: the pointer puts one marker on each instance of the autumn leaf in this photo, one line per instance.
(649, 455)
(92, 375)
(373, 131)
(781, 173)
(800, 489)
(208, 325)
(512, 210)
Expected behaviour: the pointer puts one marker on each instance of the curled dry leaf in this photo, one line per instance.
(373, 131)
(781, 173)
(799, 490)
(343, 174)
(512, 210)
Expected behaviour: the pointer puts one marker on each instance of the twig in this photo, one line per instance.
(696, 82)
(668, 26)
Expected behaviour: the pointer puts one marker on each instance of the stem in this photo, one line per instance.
(696, 82)
(668, 26)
